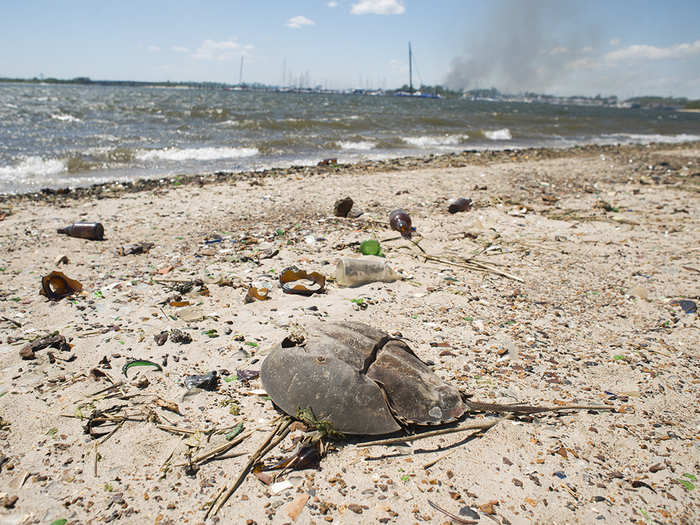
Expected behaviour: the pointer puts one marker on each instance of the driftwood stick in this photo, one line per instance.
(221, 500)
(437, 459)
(415, 437)
(453, 517)
(520, 408)
(220, 449)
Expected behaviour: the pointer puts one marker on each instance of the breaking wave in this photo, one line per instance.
(65, 118)
(197, 154)
(498, 134)
(431, 142)
(363, 145)
(32, 166)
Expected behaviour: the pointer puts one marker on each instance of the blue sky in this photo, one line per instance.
(562, 47)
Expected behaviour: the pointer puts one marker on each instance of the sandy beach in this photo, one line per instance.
(585, 256)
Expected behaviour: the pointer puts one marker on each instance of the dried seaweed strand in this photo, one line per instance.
(453, 517)
(415, 437)
(283, 428)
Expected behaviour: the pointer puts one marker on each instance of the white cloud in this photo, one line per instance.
(559, 51)
(583, 64)
(180, 49)
(615, 42)
(153, 49)
(378, 7)
(645, 52)
(226, 50)
(332, 4)
(298, 22)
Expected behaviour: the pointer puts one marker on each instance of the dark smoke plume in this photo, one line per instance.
(523, 46)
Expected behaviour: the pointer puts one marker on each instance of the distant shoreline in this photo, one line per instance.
(447, 160)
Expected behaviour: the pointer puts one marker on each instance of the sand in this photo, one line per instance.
(597, 243)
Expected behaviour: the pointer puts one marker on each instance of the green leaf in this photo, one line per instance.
(99, 294)
(211, 333)
(236, 430)
(251, 343)
(52, 431)
(61, 521)
(690, 477)
(468, 319)
(231, 378)
(618, 357)
(686, 484)
(3, 393)
(357, 301)
(405, 477)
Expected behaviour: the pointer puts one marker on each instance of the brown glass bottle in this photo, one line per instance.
(400, 221)
(460, 204)
(84, 230)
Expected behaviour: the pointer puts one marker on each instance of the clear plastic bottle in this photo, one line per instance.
(400, 221)
(356, 271)
(84, 230)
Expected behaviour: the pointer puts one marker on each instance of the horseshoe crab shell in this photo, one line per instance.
(359, 379)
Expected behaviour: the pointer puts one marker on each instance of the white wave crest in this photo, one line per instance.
(649, 138)
(428, 142)
(498, 134)
(361, 145)
(197, 153)
(32, 166)
(65, 118)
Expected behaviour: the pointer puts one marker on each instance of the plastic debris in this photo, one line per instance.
(686, 305)
(206, 381)
(356, 271)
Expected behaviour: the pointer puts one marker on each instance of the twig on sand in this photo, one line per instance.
(18, 325)
(415, 437)
(218, 450)
(466, 263)
(437, 459)
(453, 517)
(272, 440)
(520, 408)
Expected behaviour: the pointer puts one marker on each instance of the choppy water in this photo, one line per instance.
(58, 135)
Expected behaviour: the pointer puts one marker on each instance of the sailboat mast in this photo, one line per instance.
(410, 69)
(240, 73)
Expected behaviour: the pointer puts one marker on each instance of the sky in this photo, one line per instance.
(561, 47)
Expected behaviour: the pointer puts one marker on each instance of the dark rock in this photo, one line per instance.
(342, 207)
